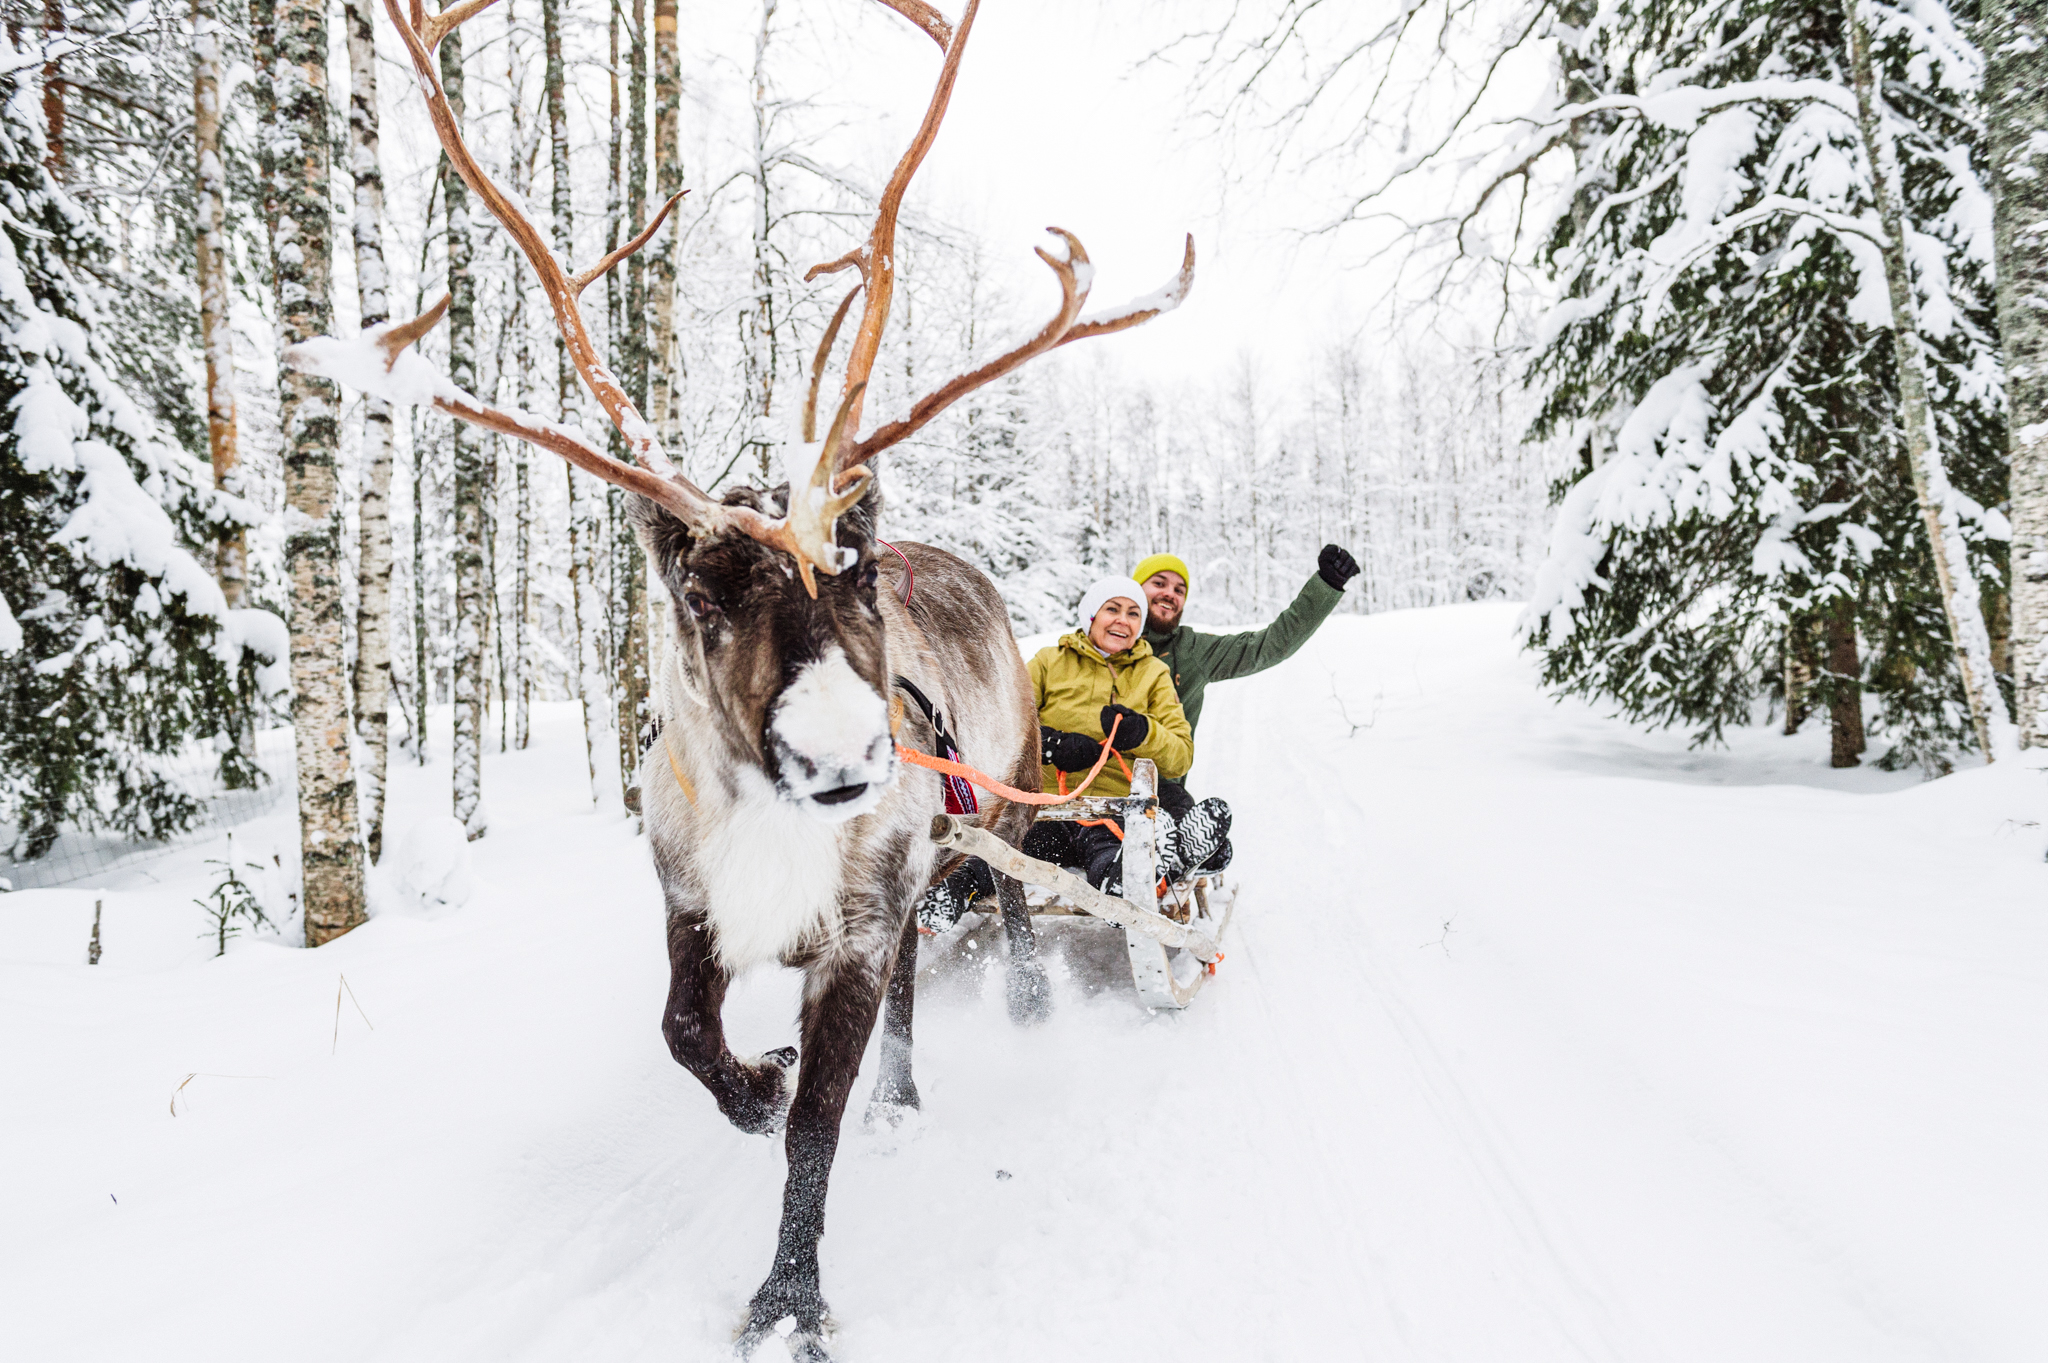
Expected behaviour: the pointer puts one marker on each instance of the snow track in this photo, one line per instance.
(1537, 1038)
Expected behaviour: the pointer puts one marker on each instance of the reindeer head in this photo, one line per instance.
(779, 628)
(793, 680)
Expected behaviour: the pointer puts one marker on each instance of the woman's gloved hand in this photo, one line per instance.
(1132, 734)
(1336, 566)
(1068, 752)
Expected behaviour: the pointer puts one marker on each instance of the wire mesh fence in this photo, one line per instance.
(88, 854)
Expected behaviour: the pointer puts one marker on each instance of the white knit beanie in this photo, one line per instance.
(1108, 589)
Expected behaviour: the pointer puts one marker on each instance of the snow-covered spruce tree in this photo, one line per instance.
(117, 648)
(1722, 368)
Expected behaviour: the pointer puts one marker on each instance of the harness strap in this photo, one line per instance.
(1011, 793)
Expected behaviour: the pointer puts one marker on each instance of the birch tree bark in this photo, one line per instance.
(263, 56)
(216, 331)
(330, 846)
(760, 319)
(630, 575)
(1799, 669)
(1960, 598)
(2015, 44)
(422, 674)
(665, 398)
(518, 685)
(373, 574)
(53, 94)
(567, 394)
(668, 180)
(468, 670)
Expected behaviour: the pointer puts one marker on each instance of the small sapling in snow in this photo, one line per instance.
(231, 898)
(1345, 710)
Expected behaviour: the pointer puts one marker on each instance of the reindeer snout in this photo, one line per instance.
(829, 740)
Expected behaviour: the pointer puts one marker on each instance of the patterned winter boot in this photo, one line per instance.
(1196, 839)
(942, 906)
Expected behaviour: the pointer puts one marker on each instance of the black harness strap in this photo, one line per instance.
(960, 798)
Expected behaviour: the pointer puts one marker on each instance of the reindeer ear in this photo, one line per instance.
(662, 534)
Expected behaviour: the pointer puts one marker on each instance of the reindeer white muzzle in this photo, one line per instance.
(829, 736)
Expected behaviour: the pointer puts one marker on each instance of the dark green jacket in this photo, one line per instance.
(1197, 659)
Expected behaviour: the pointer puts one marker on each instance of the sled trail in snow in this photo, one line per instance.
(1537, 1038)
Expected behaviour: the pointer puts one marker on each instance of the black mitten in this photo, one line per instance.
(1335, 566)
(1068, 752)
(1135, 727)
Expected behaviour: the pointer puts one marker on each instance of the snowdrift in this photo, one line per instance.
(1539, 1038)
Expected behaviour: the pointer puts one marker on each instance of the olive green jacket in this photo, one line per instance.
(1197, 659)
(1073, 681)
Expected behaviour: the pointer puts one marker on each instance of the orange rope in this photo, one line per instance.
(995, 787)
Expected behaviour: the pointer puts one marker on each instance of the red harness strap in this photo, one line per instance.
(909, 574)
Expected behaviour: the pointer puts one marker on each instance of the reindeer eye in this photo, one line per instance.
(701, 606)
(870, 575)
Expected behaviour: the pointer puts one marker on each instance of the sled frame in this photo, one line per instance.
(1171, 956)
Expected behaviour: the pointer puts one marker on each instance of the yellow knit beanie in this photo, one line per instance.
(1166, 562)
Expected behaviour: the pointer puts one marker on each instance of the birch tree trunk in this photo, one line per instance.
(422, 677)
(630, 576)
(1960, 599)
(518, 685)
(522, 559)
(53, 94)
(330, 846)
(567, 394)
(668, 180)
(216, 294)
(1799, 669)
(760, 320)
(2015, 44)
(665, 397)
(470, 624)
(263, 55)
(373, 602)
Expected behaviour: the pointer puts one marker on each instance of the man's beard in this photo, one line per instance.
(1152, 620)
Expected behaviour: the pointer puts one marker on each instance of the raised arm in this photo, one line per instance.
(1226, 656)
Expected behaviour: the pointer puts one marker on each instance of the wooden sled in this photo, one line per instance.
(1173, 941)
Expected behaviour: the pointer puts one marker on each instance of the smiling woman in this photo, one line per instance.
(1102, 677)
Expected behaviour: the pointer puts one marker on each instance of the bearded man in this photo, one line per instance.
(1196, 659)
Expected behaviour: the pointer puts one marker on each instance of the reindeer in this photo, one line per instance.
(783, 826)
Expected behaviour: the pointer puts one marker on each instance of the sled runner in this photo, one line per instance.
(1172, 935)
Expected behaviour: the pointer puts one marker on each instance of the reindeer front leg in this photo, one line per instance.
(841, 1001)
(752, 1096)
(895, 1094)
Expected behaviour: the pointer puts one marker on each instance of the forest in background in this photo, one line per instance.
(1642, 272)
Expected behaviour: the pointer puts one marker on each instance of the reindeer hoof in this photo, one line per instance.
(893, 1120)
(762, 1107)
(1030, 993)
(798, 1318)
(804, 1346)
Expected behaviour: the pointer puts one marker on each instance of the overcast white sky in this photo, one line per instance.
(1048, 125)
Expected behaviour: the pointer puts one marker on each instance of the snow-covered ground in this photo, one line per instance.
(1538, 1038)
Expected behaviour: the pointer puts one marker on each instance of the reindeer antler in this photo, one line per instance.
(808, 532)
(875, 258)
